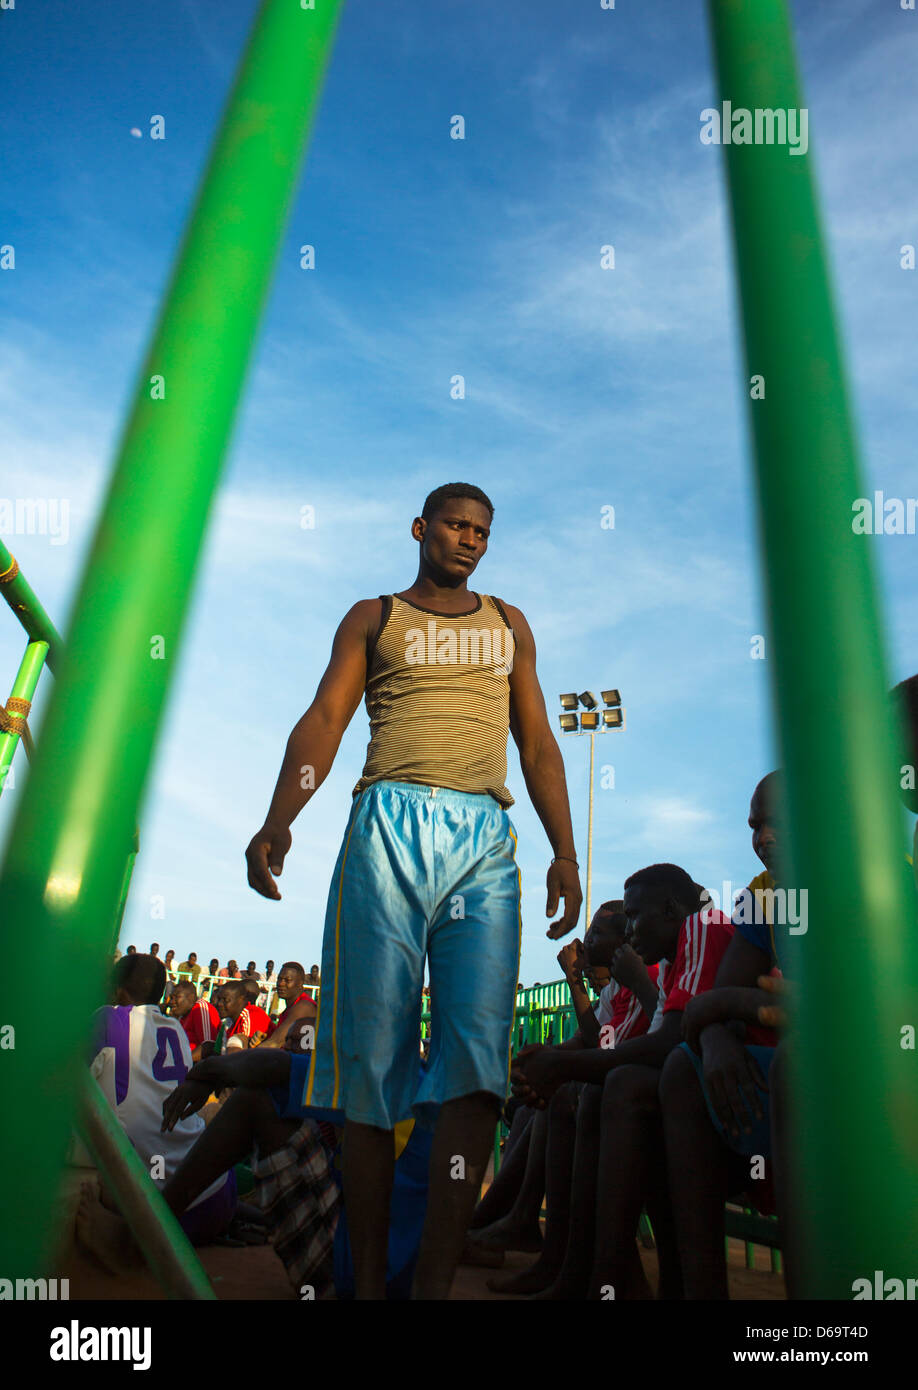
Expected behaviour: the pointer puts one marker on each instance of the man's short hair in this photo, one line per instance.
(142, 977)
(600, 940)
(668, 879)
(436, 500)
(292, 965)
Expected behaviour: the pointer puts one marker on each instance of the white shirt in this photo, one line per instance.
(657, 1019)
(140, 1056)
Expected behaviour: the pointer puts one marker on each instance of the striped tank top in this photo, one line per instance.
(438, 697)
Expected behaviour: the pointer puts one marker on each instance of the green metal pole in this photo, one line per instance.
(125, 887)
(16, 590)
(64, 865)
(30, 668)
(167, 1249)
(855, 1090)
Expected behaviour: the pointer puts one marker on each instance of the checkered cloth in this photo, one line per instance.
(296, 1191)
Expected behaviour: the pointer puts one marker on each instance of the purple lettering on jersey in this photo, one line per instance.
(167, 1041)
(113, 1029)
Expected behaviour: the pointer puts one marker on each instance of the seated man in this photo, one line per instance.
(189, 969)
(295, 1184)
(198, 1017)
(715, 1088)
(619, 1013)
(300, 1007)
(619, 1165)
(250, 1024)
(139, 1055)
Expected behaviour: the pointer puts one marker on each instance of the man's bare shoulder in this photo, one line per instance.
(517, 619)
(363, 618)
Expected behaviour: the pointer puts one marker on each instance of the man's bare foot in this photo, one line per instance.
(104, 1235)
(565, 1289)
(504, 1234)
(480, 1257)
(527, 1281)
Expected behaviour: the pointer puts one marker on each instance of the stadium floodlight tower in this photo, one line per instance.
(592, 721)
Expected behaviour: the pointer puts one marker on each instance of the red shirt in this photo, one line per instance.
(703, 939)
(251, 1020)
(201, 1023)
(304, 995)
(628, 1017)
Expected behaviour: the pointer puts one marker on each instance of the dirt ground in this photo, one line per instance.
(254, 1273)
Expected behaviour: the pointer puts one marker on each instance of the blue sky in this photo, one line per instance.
(585, 388)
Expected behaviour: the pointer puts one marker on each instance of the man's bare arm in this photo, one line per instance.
(543, 771)
(313, 744)
(304, 1009)
(570, 959)
(535, 1077)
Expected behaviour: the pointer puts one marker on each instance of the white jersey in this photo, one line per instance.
(603, 1006)
(139, 1056)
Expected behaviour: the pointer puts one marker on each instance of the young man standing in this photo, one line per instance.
(426, 871)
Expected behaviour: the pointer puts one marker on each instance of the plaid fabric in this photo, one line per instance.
(296, 1191)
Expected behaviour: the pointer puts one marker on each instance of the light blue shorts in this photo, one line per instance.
(423, 872)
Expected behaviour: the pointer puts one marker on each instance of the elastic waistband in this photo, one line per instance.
(421, 791)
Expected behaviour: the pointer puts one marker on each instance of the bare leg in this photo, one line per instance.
(574, 1276)
(247, 1118)
(631, 1164)
(698, 1164)
(367, 1170)
(465, 1130)
(104, 1234)
(561, 1133)
(501, 1195)
(519, 1228)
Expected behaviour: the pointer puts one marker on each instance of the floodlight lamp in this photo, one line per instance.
(568, 723)
(589, 721)
(613, 718)
(611, 697)
(588, 700)
(568, 701)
